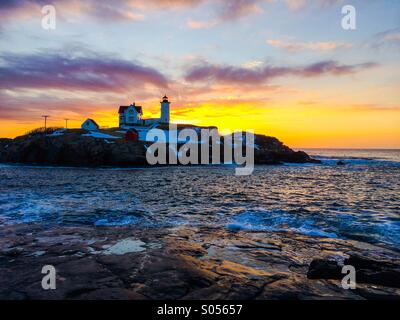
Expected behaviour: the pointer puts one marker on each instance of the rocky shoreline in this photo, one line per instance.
(188, 263)
(73, 148)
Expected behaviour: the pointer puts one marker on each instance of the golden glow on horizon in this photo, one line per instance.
(298, 126)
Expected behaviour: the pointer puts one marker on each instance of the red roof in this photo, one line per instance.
(123, 108)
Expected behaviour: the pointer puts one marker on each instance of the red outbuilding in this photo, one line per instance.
(132, 135)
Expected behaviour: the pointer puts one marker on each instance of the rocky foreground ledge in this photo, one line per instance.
(189, 263)
(78, 148)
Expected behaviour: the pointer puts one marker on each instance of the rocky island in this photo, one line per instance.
(78, 147)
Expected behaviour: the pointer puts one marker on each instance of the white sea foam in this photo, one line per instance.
(277, 221)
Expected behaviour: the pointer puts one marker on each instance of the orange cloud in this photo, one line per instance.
(193, 24)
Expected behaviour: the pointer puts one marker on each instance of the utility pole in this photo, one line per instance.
(66, 123)
(45, 123)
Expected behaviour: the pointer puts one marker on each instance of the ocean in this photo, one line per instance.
(358, 201)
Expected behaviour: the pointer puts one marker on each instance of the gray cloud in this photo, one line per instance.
(243, 76)
(90, 72)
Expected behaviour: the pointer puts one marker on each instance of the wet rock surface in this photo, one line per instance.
(188, 263)
(368, 270)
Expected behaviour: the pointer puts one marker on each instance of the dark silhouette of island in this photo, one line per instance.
(111, 147)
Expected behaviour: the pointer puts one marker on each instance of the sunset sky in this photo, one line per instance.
(285, 68)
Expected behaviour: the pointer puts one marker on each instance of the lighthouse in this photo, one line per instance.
(165, 110)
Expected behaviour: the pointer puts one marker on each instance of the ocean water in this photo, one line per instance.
(359, 201)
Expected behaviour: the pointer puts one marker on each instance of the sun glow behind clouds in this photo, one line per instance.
(296, 125)
(310, 126)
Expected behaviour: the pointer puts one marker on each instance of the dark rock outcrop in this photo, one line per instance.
(324, 269)
(71, 148)
(4, 142)
(368, 270)
(385, 273)
(269, 150)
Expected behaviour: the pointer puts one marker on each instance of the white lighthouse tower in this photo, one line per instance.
(165, 110)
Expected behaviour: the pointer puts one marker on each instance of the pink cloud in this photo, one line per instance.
(293, 46)
(297, 5)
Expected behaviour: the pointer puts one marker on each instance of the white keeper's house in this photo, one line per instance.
(132, 115)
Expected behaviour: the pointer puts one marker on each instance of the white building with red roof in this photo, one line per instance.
(132, 115)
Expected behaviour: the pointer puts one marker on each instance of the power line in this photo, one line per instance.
(55, 118)
(66, 123)
(45, 123)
